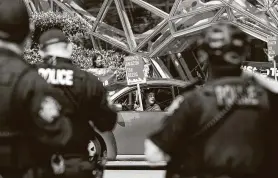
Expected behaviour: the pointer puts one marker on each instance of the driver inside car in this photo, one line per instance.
(149, 102)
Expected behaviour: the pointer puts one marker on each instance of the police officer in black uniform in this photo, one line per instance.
(86, 98)
(32, 124)
(222, 129)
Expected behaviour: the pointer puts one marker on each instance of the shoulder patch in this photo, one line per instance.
(49, 109)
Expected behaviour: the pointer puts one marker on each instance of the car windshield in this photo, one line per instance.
(115, 87)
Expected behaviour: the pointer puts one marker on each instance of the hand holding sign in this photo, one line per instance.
(135, 75)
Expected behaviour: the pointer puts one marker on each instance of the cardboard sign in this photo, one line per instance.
(272, 45)
(134, 66)
(265, 68)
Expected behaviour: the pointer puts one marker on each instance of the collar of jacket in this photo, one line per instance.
(58, 59)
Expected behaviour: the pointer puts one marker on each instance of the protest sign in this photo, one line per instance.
(272, 47)
(134, 66)
(264, 68)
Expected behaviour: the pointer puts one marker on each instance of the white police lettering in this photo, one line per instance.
(268, 71)
(57, 76)
(226, 94)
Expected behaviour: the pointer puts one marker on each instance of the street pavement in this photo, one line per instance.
(134, 174)
(132, 169)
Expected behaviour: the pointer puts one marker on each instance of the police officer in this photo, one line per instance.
(32, 123)
(86, 98)
(224, 128)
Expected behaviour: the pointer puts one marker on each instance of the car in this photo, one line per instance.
(108, 75)
(126, 141)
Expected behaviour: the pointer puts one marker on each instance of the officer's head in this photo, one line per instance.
(54, 43)
(14, 24)
(226, 47)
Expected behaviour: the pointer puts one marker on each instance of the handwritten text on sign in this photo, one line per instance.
(272, 46)
(134, 70)
(264, 68)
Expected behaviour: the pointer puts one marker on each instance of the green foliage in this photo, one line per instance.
(77, 32)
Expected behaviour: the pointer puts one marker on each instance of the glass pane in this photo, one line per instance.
(223, 16)
(128, 101)
(242, 19)
(107, 46)
(91, 6)
(164, 5)
(251, 6)
(112, 18)
(155, 41)
(178, 45)
(43, 5)
(194, 20)
(142, 21)
(170, 66)
(156, 99)
(57, 8)
(187, 6)
(112, 29)
(256, 8)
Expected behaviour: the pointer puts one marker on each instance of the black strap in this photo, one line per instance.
(16, 83)
(71, 97)
(13, 108)
(223, 115)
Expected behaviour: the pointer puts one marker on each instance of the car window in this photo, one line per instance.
(153, 99)
(128, 100)
(187, 88)
(163, 97)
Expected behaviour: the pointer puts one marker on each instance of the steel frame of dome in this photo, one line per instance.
(171, 35)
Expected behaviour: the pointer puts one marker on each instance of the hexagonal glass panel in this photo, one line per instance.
(195, 20)
(256, 8)
(142, 18)
(251, 23)
(187, 6)
(164, 5)
(178, 44)
(155, 41)
(252, 6)
(110, 27)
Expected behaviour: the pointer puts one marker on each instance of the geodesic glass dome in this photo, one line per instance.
(162, 33)
(166, 28)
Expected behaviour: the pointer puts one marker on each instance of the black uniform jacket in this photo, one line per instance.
(240, 145)
(31, 108)
(86, 100)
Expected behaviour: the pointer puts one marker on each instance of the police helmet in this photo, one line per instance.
(52, 36)
(14, 21)
(225, 44)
